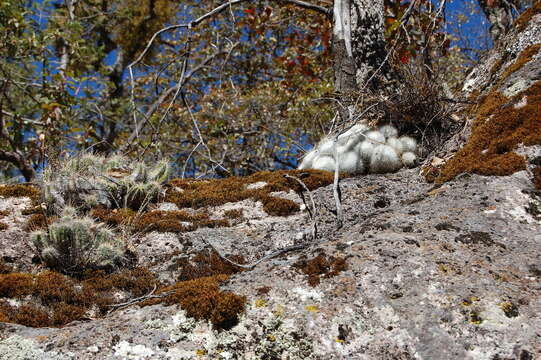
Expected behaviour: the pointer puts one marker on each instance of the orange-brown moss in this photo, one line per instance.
(65, 313)
(497, 130)
(497, 65)
(37, 222)
(16, 285)
(113, 217)
(188, 193)
(525, 56)
(172, 221)
(202, 299)
(138, 281)
(20, 190)
(67, 299)
(234, 214)
(3, 213)
(53, 287)
(32, 316)
(277, 206)
(6, 311)
(3, 226)
(524, 19)
(5, 268)
(206, 264)
(321, 266)
(63, 299)
(536, 179)
(4, 317)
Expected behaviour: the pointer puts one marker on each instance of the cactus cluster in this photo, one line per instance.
(75, 242)
(88, 181)
(72, 244)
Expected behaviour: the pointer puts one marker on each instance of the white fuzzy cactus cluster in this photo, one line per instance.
(89, 180)
(72, 244)
(363, 150)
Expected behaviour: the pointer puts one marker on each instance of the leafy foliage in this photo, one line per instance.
(256, 79)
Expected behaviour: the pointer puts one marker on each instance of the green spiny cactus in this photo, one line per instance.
(72, 245)
(88, 181)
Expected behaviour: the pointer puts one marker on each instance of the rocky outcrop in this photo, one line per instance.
(418, 271)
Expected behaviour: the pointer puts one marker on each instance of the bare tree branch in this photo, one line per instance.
(305, 5)
(173, 89)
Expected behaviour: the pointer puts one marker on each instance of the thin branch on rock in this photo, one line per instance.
(150, 295)
(313, 212)
(264, 258)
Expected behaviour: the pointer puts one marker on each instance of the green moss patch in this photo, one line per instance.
(499, 128)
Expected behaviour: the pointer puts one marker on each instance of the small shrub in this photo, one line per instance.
(72, 245)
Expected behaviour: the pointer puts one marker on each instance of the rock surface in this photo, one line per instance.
(451, 271)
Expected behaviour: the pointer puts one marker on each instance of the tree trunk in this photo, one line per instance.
(359, 45)
(500, 15)
(360, 56)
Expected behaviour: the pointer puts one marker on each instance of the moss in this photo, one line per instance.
(65, 298)
(65, 313)
(20, 190)
(16, 285)
(525, 56)
(3, 213)
(37, 222)
(3, 226)
(32, 316)
(5, 268)
(4, 317)
(234, 214)
(321, 266)
(53, 287)
(264, 290)
(172, 221)
(498, 129)
(206, 264)
(6, 311)
(202, 299)
(276, 206)
(524, 19)
(189, 193)
(114, 217)
(497, 65)
(536, 179)
(138, 281)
